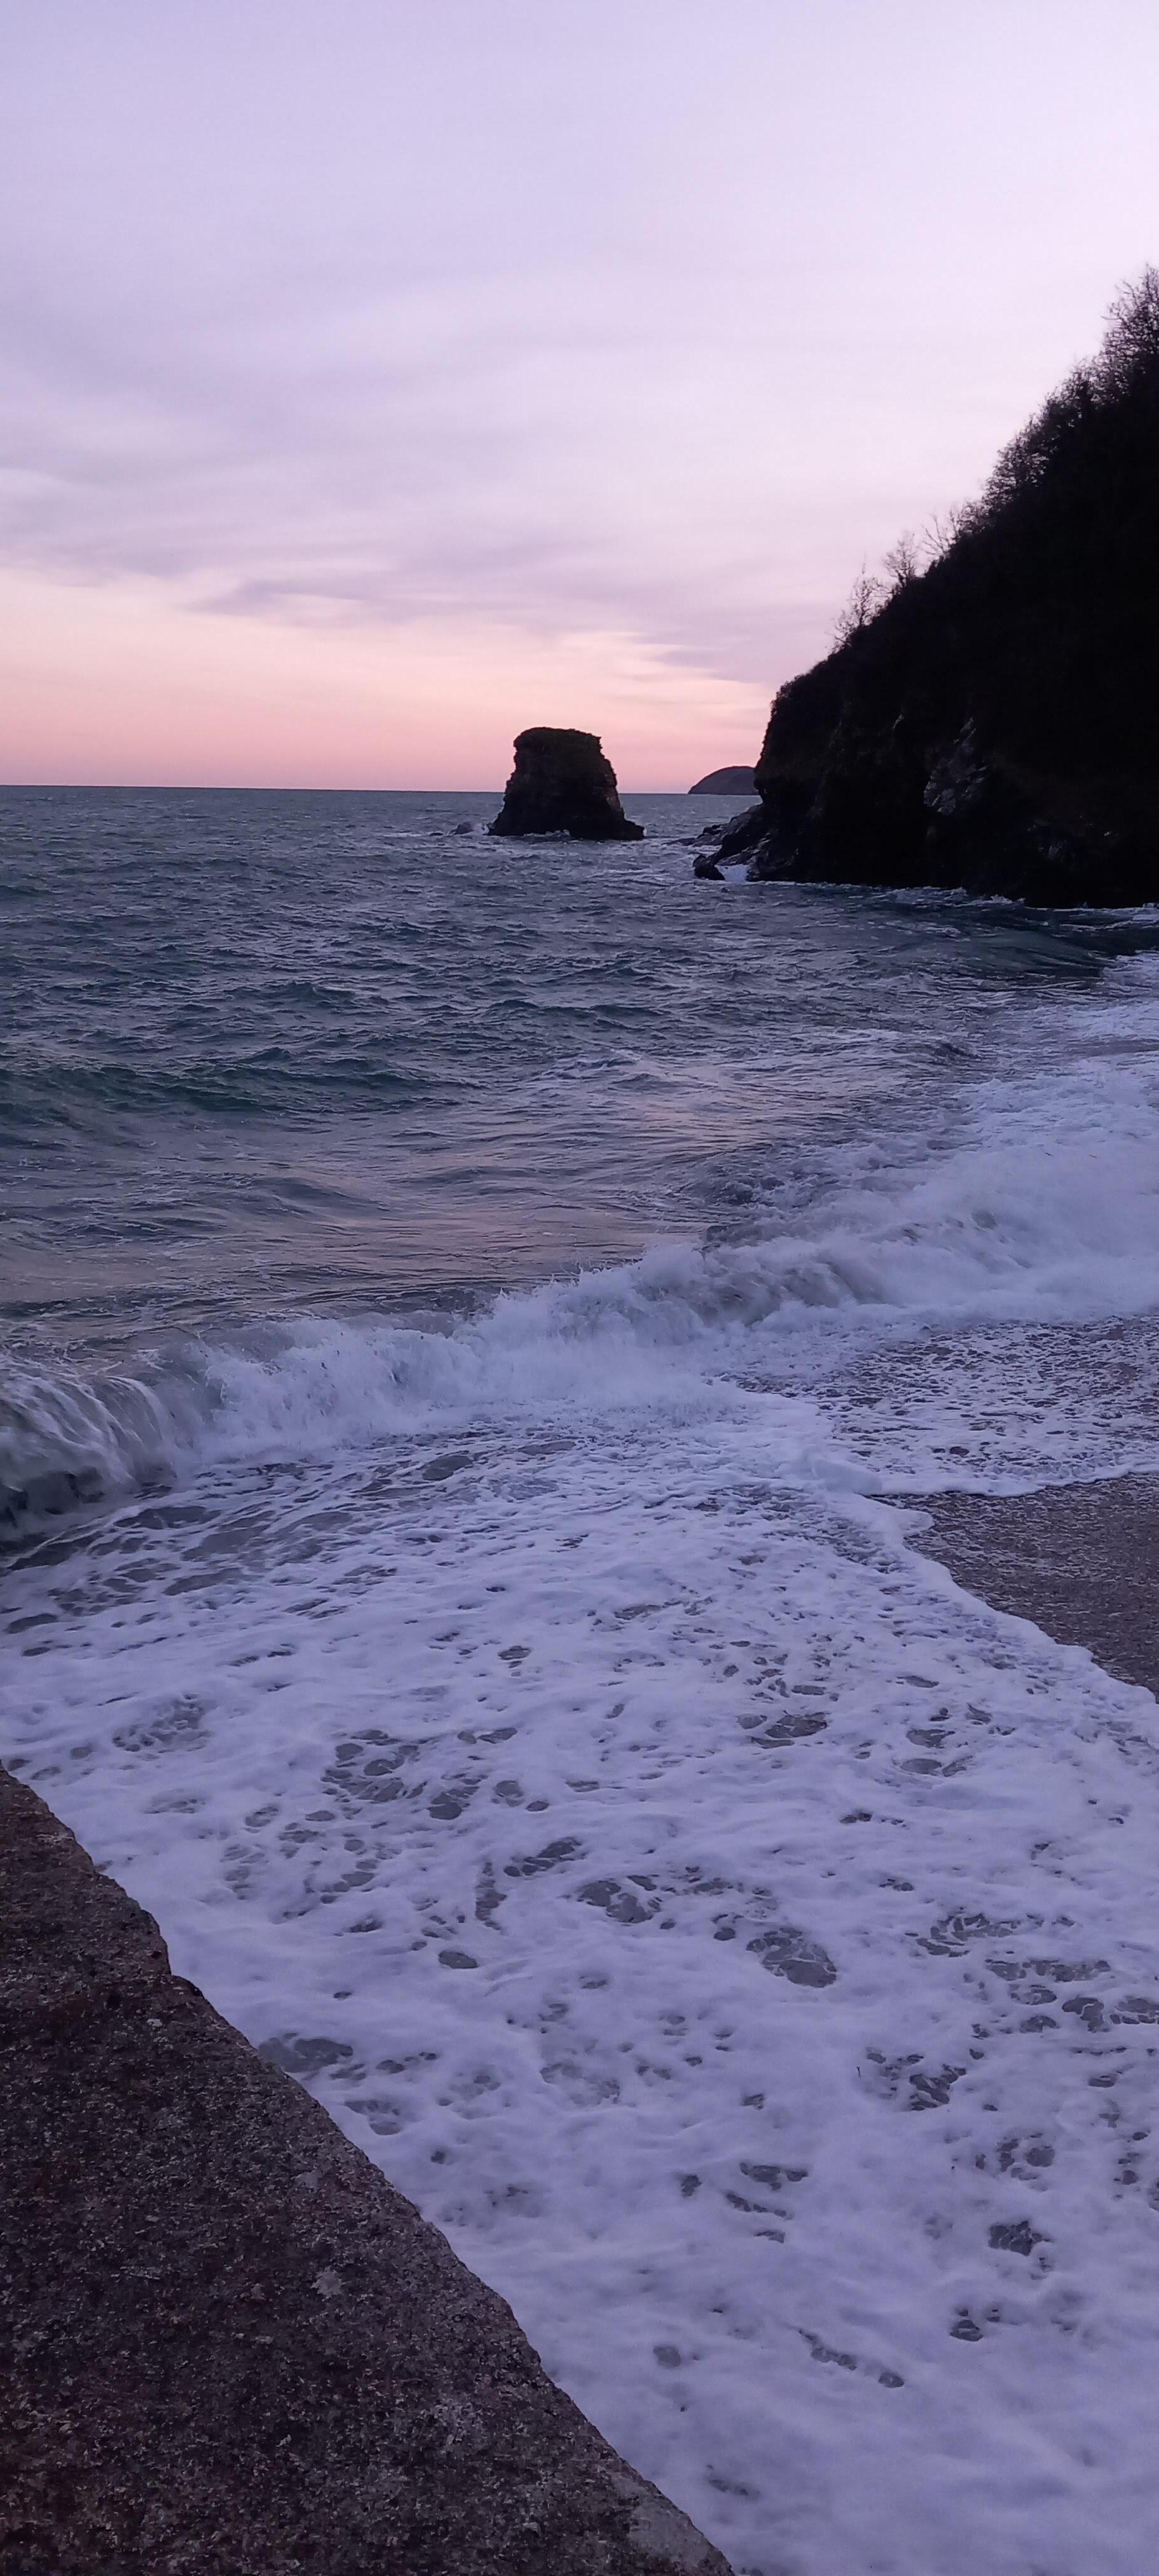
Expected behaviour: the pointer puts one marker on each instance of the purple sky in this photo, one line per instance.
(380, 376)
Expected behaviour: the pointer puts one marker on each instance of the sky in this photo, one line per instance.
(378, 377)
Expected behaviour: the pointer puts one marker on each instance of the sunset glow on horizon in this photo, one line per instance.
(145, 695)
(380, 384)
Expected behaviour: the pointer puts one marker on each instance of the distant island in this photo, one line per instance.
(989, 717)
(725, 782)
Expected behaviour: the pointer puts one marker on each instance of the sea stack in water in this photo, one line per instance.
(562, 782)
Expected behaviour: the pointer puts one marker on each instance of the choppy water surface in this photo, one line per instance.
(475, 1313)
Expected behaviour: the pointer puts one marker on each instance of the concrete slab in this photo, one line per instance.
(230, 2348)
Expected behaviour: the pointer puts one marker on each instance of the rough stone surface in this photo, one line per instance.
(229, 2347)
(1082, 1561)
(905, 807)
(562, 782)
(715, 839)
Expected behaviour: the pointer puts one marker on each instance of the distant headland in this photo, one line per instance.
(725, 782)
(987, 719)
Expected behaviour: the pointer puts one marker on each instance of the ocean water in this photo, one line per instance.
(477, 1318)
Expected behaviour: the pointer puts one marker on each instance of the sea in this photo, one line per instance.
(479, 1321)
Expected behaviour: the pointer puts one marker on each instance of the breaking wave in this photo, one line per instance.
(1003, 1226)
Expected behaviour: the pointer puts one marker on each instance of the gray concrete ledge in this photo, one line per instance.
(229, 2347)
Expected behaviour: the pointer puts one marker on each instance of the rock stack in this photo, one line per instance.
(562, 782)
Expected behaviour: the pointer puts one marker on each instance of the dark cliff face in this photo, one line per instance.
(562, 782)
(995, 724)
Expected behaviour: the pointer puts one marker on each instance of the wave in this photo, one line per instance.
(1059, 1225)
(68, 1438)
(41, 1094)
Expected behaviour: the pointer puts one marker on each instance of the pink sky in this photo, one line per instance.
(380, 379)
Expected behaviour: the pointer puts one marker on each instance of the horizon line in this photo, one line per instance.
(271, 787)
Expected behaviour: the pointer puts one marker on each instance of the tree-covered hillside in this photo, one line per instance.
(993, 720)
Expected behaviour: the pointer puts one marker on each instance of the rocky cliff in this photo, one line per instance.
(993, 722)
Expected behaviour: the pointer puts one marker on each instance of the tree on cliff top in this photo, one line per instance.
(1037, 614)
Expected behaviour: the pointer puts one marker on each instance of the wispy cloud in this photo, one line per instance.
(571, 322)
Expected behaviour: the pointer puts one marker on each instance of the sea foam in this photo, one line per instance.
(534, 1729)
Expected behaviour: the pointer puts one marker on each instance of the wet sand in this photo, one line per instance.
(1081, 1561)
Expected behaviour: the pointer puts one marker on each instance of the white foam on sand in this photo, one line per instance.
(538, 1733)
